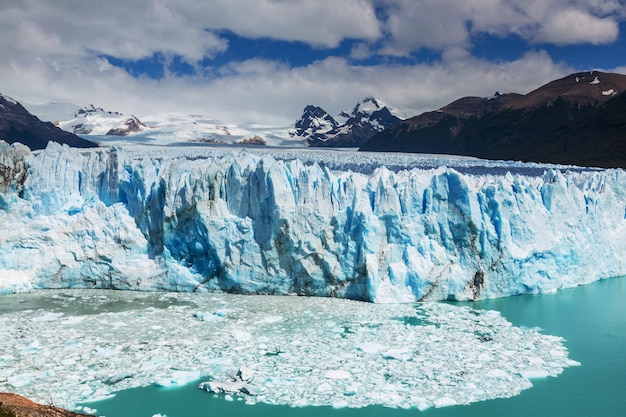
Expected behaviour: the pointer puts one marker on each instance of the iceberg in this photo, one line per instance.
(380, 228)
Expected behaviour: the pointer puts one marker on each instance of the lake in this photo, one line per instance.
(591, 318)
(74, 344)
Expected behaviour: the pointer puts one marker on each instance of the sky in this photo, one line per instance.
(263, 61)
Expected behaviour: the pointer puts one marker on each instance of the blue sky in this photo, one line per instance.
(262, 61)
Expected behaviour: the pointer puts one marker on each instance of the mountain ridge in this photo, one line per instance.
(18, 125)
(319, 129)
(550, 124)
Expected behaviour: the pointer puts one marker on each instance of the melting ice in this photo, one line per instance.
(76, 345)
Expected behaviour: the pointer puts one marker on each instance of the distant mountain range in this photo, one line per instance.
(87, 120)
(318, 128)
(314, 128)
(579, 119)
(18, 125)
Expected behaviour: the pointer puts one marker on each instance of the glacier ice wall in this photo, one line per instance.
(247, 223)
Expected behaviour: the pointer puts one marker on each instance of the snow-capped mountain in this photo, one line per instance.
(18, 125)
(106, 127)
(348, 129)
(315, 124)
(178, 128)
(87, 120)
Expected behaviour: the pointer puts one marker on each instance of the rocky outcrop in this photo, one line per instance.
(13, 405)
(254, 140)
(130, 125)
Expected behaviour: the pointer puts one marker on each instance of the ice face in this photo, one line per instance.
(75, 345)
(381, 228)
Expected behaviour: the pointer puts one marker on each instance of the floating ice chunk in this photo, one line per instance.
(241, 336)
(178, 378)
(245, 373)
(47, 317)
(208, 316)
(534, 373)
(376, 359)
(340, 404)
(370, 347)
(324, 388)
(88, 410)
(444, 402)
(270, 320)
(22, 380)
(499, 373)
(337, 374)
(32, 347)
(401, 354)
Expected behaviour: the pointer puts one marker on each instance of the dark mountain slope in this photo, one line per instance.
(368, 117)
(18, 125)
(580, 120)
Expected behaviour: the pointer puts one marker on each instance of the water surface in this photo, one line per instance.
(591, 318)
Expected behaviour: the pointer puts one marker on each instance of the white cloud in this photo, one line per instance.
(323, 23)
(572, 26)
(51, 51)
(361, 51)
(269, 92)
(436, 24)
(442, 24)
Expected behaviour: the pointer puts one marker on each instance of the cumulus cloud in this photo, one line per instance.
(269, 92)
(324, 23)
(571, 26)
(57, 51)
(441, 24)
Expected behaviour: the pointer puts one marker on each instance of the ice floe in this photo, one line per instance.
(76, 345)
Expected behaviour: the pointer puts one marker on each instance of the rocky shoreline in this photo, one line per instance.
(13, 405)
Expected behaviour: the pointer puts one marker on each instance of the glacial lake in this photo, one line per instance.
(47, 327)
(591, 318)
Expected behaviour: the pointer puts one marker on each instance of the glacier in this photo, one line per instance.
(380, 228)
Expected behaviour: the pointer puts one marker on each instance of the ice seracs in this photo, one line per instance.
(322, 224)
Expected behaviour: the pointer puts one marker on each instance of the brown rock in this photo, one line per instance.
(13, 405)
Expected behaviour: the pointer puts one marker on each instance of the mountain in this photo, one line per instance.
(315, 125)
(114, 128)
(319, 128)
(579, 119)
(18, 125)
(88, 120)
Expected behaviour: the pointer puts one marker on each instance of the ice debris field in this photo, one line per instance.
(374, 227)
(71, 346)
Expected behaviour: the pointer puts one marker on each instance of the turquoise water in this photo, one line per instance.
(591, 318)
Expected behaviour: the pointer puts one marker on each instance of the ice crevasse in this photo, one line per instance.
(252, 223)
